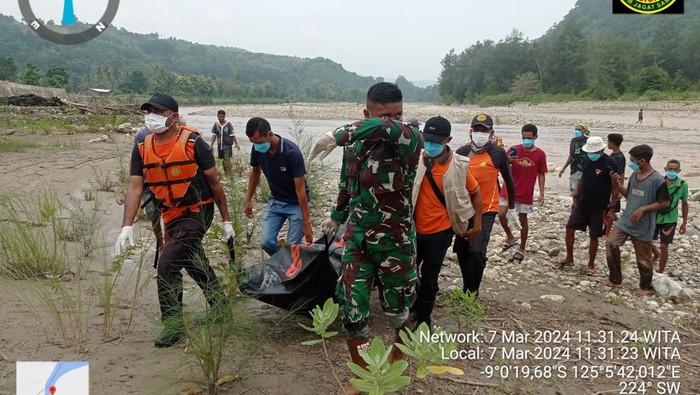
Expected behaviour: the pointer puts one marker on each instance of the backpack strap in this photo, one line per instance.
(433, 184)
(675, 205)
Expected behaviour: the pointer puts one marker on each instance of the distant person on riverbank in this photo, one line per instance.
(179, 168)
(646, 193)
(666, 220)
(282, 163)
(640, 116)
(222, 131)
(576, 155)
(528, 165)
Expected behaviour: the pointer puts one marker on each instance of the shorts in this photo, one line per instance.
(573, 181)
(665, 232)
(227, 152)
(152, 212)
(520, 208)
(591, 218)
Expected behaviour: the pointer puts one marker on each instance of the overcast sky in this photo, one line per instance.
(379, 38)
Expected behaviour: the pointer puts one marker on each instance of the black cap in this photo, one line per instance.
(483, 120)
(436, 129)
(160, 101)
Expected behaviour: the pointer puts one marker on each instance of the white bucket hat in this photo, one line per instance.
(594, 144)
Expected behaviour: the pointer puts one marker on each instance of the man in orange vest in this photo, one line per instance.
(179, 168)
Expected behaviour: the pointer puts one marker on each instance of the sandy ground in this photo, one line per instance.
(268, 358)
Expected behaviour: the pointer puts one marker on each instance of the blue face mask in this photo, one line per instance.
(593, 156)
(263, 148)
(578, 133)
(527, 143)
(433, 149)
(672, 175)
(634, 166)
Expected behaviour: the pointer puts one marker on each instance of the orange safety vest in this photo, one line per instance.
(176, 182)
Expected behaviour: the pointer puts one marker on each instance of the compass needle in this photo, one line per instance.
(69, 18)
(68, 13)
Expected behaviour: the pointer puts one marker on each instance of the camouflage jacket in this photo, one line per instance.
(376, 178)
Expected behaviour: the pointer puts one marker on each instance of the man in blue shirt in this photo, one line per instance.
(283, 165)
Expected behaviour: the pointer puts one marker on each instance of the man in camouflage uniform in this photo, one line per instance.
(379, 166)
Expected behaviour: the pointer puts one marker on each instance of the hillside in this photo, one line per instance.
(598, 21)
(590, 53)
(133, 63)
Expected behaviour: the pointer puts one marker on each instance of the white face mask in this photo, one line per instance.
(480, 139)
(156, 123)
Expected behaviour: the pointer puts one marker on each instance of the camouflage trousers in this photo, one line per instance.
(363, 264)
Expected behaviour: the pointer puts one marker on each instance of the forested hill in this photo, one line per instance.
(136, 63)
(599, 22)
(591, 53)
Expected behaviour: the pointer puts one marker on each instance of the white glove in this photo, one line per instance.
(323, 146)
(329, 227)
(228, 229)
(127, 234)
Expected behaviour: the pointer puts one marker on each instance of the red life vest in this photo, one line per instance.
(177, 183)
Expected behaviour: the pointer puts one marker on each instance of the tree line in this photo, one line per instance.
(54, 76)
(131, 63)
(157, 78)
(567, 61)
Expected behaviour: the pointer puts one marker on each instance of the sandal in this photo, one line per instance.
(518, 257)
(508, 245)
(563, 263)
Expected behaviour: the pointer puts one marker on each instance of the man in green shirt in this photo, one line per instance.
(666, 220)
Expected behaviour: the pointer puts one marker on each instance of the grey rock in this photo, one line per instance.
(553, 298)
(125, 128)
(102, 139)
(491, 274)
(664, 286)
(686, 296)
(554, 252)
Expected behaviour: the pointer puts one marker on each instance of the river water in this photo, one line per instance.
(553, 140)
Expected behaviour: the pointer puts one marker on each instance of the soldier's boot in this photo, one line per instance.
(173, 331)
(354, 346)
(396, 354)
(423, 311)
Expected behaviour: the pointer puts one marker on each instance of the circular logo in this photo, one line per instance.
(647, 6)
(175, 171)
(68, 19)
(481, 117)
